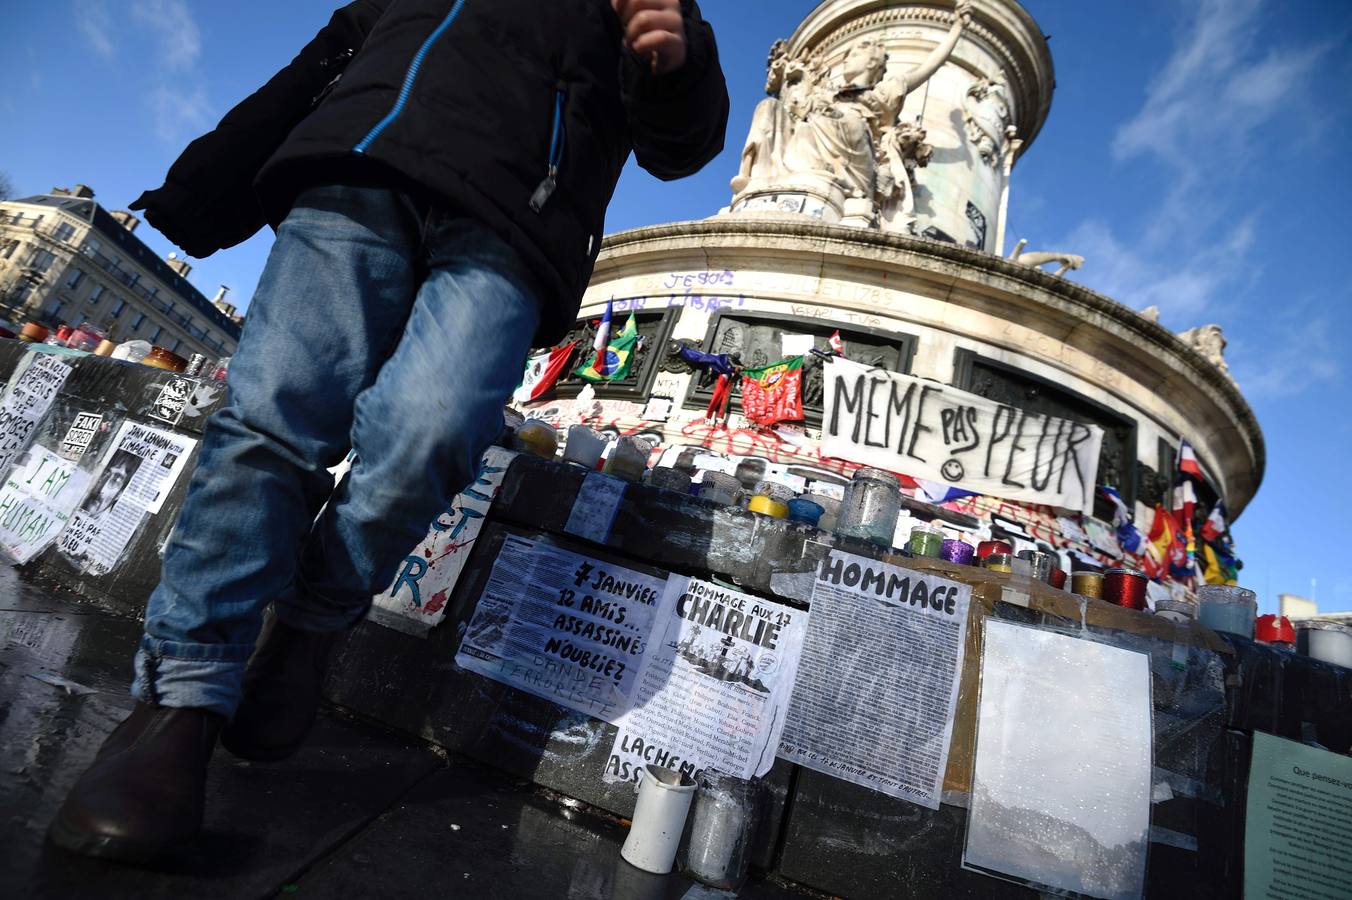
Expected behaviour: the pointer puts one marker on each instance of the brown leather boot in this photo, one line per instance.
(282, 690)
(143, 794)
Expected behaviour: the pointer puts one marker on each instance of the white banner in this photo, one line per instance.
(935, 432)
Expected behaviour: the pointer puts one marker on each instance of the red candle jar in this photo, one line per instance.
(986, 548)
(1057, 579)
(1272, 629)
(1123, 587)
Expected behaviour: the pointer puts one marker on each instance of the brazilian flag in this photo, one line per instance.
(616, 361)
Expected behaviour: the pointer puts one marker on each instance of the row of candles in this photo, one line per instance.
(871, 508)
(89, 338)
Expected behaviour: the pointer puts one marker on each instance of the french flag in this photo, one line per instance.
(1187, 461)
(602, 340)
(1215, 523)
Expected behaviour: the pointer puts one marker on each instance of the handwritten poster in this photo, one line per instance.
(566, 627)
(938, 433)
(878, 679)
(1061, 785)
(142, 466)
(26, 402)
(716, 692)
(417, 599)
(36, 501)
(1298, 825)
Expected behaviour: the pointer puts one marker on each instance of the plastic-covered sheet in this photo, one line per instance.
(1062, 779)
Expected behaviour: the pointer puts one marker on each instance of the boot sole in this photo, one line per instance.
(103, 846)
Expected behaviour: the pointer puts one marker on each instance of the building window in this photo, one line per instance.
(53, 308)
(177, 344)
(42, 260)
(758, 338)
(1022, 390)
(118, 306)
(73, 279)
(10, 248)
(136, 320)
(91, 246)
(155, 335)
(96, 294)
(64, 231)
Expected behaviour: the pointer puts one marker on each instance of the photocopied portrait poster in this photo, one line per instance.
(569, 628)
(1062, 776)
(1298, 825)
(141, 467)
(878, 680)
(715, 693)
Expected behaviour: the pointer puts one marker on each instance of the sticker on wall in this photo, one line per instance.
(80, 435)
(168, 406)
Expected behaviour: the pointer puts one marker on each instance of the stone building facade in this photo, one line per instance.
(853, 212)
(64, 259)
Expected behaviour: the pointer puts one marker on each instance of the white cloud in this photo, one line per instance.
(96, 26)
(1206, 128)
(1184, 286)
(180, 112)
(1301, 349)
(174, 28)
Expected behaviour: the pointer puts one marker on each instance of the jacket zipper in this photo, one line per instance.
(556, 139)
(409, 77)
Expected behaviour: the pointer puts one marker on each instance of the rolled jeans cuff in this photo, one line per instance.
(197, 676)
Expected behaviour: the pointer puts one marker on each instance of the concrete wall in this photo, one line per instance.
(1209, 692)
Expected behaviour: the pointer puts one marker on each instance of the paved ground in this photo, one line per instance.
(359, 812)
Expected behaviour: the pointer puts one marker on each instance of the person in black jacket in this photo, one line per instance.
(438, 173)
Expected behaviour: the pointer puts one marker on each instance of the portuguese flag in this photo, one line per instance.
(773, 393)
(615, 361)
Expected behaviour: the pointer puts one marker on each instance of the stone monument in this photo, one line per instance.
(867, 219)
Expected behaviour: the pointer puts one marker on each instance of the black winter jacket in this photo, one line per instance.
(466, 103)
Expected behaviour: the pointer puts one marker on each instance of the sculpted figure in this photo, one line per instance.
(987, 115)
(1209, 341)
(1034, 259)
(901, 151)
(771, 123)
(836, 126)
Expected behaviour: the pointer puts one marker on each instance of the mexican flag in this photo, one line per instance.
(773, 393)
(541, 373)
(617, 359)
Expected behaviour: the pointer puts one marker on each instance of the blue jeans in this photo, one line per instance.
(377, 326)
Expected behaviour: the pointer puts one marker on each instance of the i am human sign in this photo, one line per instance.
(939, 433)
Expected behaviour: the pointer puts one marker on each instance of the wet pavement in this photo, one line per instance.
(358, 812)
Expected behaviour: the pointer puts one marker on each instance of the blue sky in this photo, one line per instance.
(1196, 155)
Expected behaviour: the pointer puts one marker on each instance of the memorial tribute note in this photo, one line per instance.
(878, 680)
